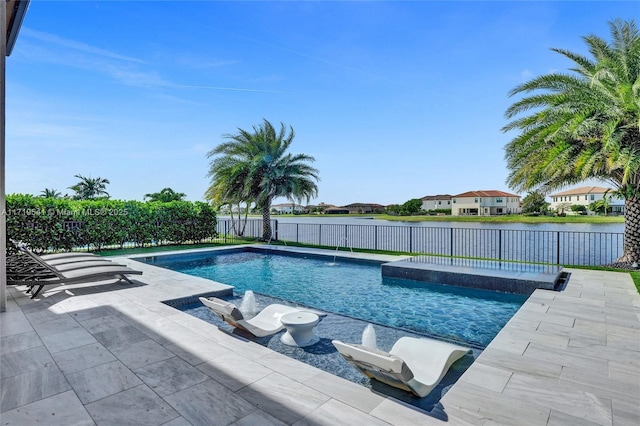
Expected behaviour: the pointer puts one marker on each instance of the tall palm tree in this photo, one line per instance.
(255, 166)
(584, 124)
(89, 188)
(50, 193)
(166, 195)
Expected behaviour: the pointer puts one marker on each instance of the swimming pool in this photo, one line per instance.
(357, 289)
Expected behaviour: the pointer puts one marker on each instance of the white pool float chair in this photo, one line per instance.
(414, 365)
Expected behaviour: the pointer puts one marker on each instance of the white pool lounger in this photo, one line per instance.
(414, 365)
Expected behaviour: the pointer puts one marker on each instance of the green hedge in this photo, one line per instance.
(62, 224)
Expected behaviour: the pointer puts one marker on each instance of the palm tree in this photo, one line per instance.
(50, 193)
(255, 167)
(166, 195)
(90, 188)
(584, 124)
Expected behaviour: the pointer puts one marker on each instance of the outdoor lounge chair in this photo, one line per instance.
(29, 269)
(266, 323)
(414, 365)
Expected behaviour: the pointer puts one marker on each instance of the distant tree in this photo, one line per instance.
(535, 202)
(579, 208)
(563, 208)
(50, 193)
(165, 196)
(89, 188)
(412, 206)
(393, 209)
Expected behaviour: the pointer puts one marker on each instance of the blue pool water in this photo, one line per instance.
(356, 289)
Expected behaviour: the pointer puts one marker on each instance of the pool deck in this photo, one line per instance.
(114, 354)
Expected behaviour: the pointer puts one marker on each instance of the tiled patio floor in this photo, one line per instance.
(114, 354)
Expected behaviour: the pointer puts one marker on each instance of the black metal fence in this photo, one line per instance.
(549, 247)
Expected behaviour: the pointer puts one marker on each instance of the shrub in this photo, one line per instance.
(61, 224)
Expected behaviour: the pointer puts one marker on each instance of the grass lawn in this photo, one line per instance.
(636, 279)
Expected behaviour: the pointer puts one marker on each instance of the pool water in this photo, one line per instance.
(356, 289)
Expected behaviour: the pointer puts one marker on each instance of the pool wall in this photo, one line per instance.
(507, 281)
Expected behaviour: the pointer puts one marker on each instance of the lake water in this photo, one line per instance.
(554, 243)
(572, 227)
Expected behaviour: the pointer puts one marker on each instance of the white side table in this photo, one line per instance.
(299, 327)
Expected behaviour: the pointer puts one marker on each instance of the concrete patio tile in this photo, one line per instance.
(197, 350)
(120, 336)
(136, 407)
(558, 418)
(69, 339)
(20, 362)
(625, 412)
(334, 412)
(258, 418)
(82, 357)
(170, 376)
(545, 317)
(283, 398)
(505, 360)
(486, 376)
(601, 384)
(542, 393)
(210, 403)
(399, 414)
(36, 316)
(19, 342)
(234, 371)
(345, 391)
(288, 366)
(142, 353)
(89, 313)
(13, 322)
(572, 332)
(178, 421)
(624, 342)
(60, 324)
(105, 323)
(104, 380)
(565, 358)
(31, 386)
(63, 409)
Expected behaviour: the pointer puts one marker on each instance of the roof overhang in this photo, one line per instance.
(16, 9)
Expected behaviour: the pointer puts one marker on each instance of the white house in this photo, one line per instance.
(433, 202)
(584, 196)
(485, 203)
(286, 208)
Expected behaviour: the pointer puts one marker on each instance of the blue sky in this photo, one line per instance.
(395, 100)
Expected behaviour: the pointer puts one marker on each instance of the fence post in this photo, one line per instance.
(410, 239)
(346, 238)
(558, 248)
(451, 242)
(319, 234)
(297, 233)
(375, 237)
(225, 230)
(500, 244)
(276, 226)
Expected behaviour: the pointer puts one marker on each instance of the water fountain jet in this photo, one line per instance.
(369, 337)
(249, 307)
